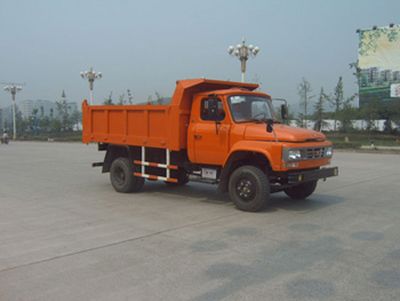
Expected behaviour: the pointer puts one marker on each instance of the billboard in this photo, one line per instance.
(379, 64)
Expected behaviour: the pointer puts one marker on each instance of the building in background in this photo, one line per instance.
(43, 108)
(40, 108)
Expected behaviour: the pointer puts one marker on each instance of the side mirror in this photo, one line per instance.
(284, 112)
(213, 108)
(270, 123)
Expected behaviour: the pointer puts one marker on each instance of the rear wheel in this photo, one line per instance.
(249, 188)
(302, 191)
(122, 178)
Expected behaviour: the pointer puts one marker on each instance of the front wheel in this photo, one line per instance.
(122, 178)
(249, 188)
(302, 191)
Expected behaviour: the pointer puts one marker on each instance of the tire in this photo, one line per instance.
(249, 188)
(122, 178)
(302, 191)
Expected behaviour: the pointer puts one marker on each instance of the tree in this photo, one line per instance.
(394, 112)
(75, 118)
(290, 114)
(21, 124)
(130, 96)
(108, 100)
(319, 110)
(387, 126)
(121, 99)
(337, 99)
(346, 114)
(44, 124)
(63, 114)
(33, 121)
(300, 120)
(304, 90)
(370, 113)
(340, 103)
(55, 125)
(159, 98)
(356, 71)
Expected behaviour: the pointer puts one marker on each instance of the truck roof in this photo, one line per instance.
(186, 88)
(234, 91)
(218, 84)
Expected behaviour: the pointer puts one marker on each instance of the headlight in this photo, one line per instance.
(293, 155)
(328, 151)
(306, 153)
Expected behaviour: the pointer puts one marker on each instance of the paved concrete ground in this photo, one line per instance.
(66, 235)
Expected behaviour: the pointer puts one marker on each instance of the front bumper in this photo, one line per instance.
(312, 175)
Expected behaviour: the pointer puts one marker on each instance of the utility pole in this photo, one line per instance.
(243, 52)
(13, 88)
(91, 76)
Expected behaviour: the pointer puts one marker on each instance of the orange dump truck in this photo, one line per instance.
(217, 132)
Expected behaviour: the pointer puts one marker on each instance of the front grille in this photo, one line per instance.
(312, 153)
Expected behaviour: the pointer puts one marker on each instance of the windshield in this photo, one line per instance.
(249, 108)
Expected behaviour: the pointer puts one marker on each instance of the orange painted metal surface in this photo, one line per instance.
(163, 126)
(178, 126)
(142, 125)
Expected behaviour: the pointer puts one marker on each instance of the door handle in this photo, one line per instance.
(197, 136)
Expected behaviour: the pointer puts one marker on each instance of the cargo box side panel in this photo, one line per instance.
(150, 126)
(99, 124)
(116, 130)
(137, 130)
(158, 129)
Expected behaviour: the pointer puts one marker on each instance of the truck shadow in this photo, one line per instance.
(197, 191)
(210, 194)
(280, 201)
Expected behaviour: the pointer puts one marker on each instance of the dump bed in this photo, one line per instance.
(147, 125)
(162, 126)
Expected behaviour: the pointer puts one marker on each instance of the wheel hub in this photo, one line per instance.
(245, 189)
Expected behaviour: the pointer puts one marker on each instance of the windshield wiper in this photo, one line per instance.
(261, 120)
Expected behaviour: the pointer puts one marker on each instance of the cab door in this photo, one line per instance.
(210, 132)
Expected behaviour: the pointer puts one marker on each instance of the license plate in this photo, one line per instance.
(209, 173)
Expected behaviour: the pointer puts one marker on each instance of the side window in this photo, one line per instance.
(212, 109)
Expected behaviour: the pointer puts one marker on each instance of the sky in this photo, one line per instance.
(145, 46)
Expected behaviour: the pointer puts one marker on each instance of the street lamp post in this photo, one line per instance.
(91, 76)
(13, 89)
(243, 52)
